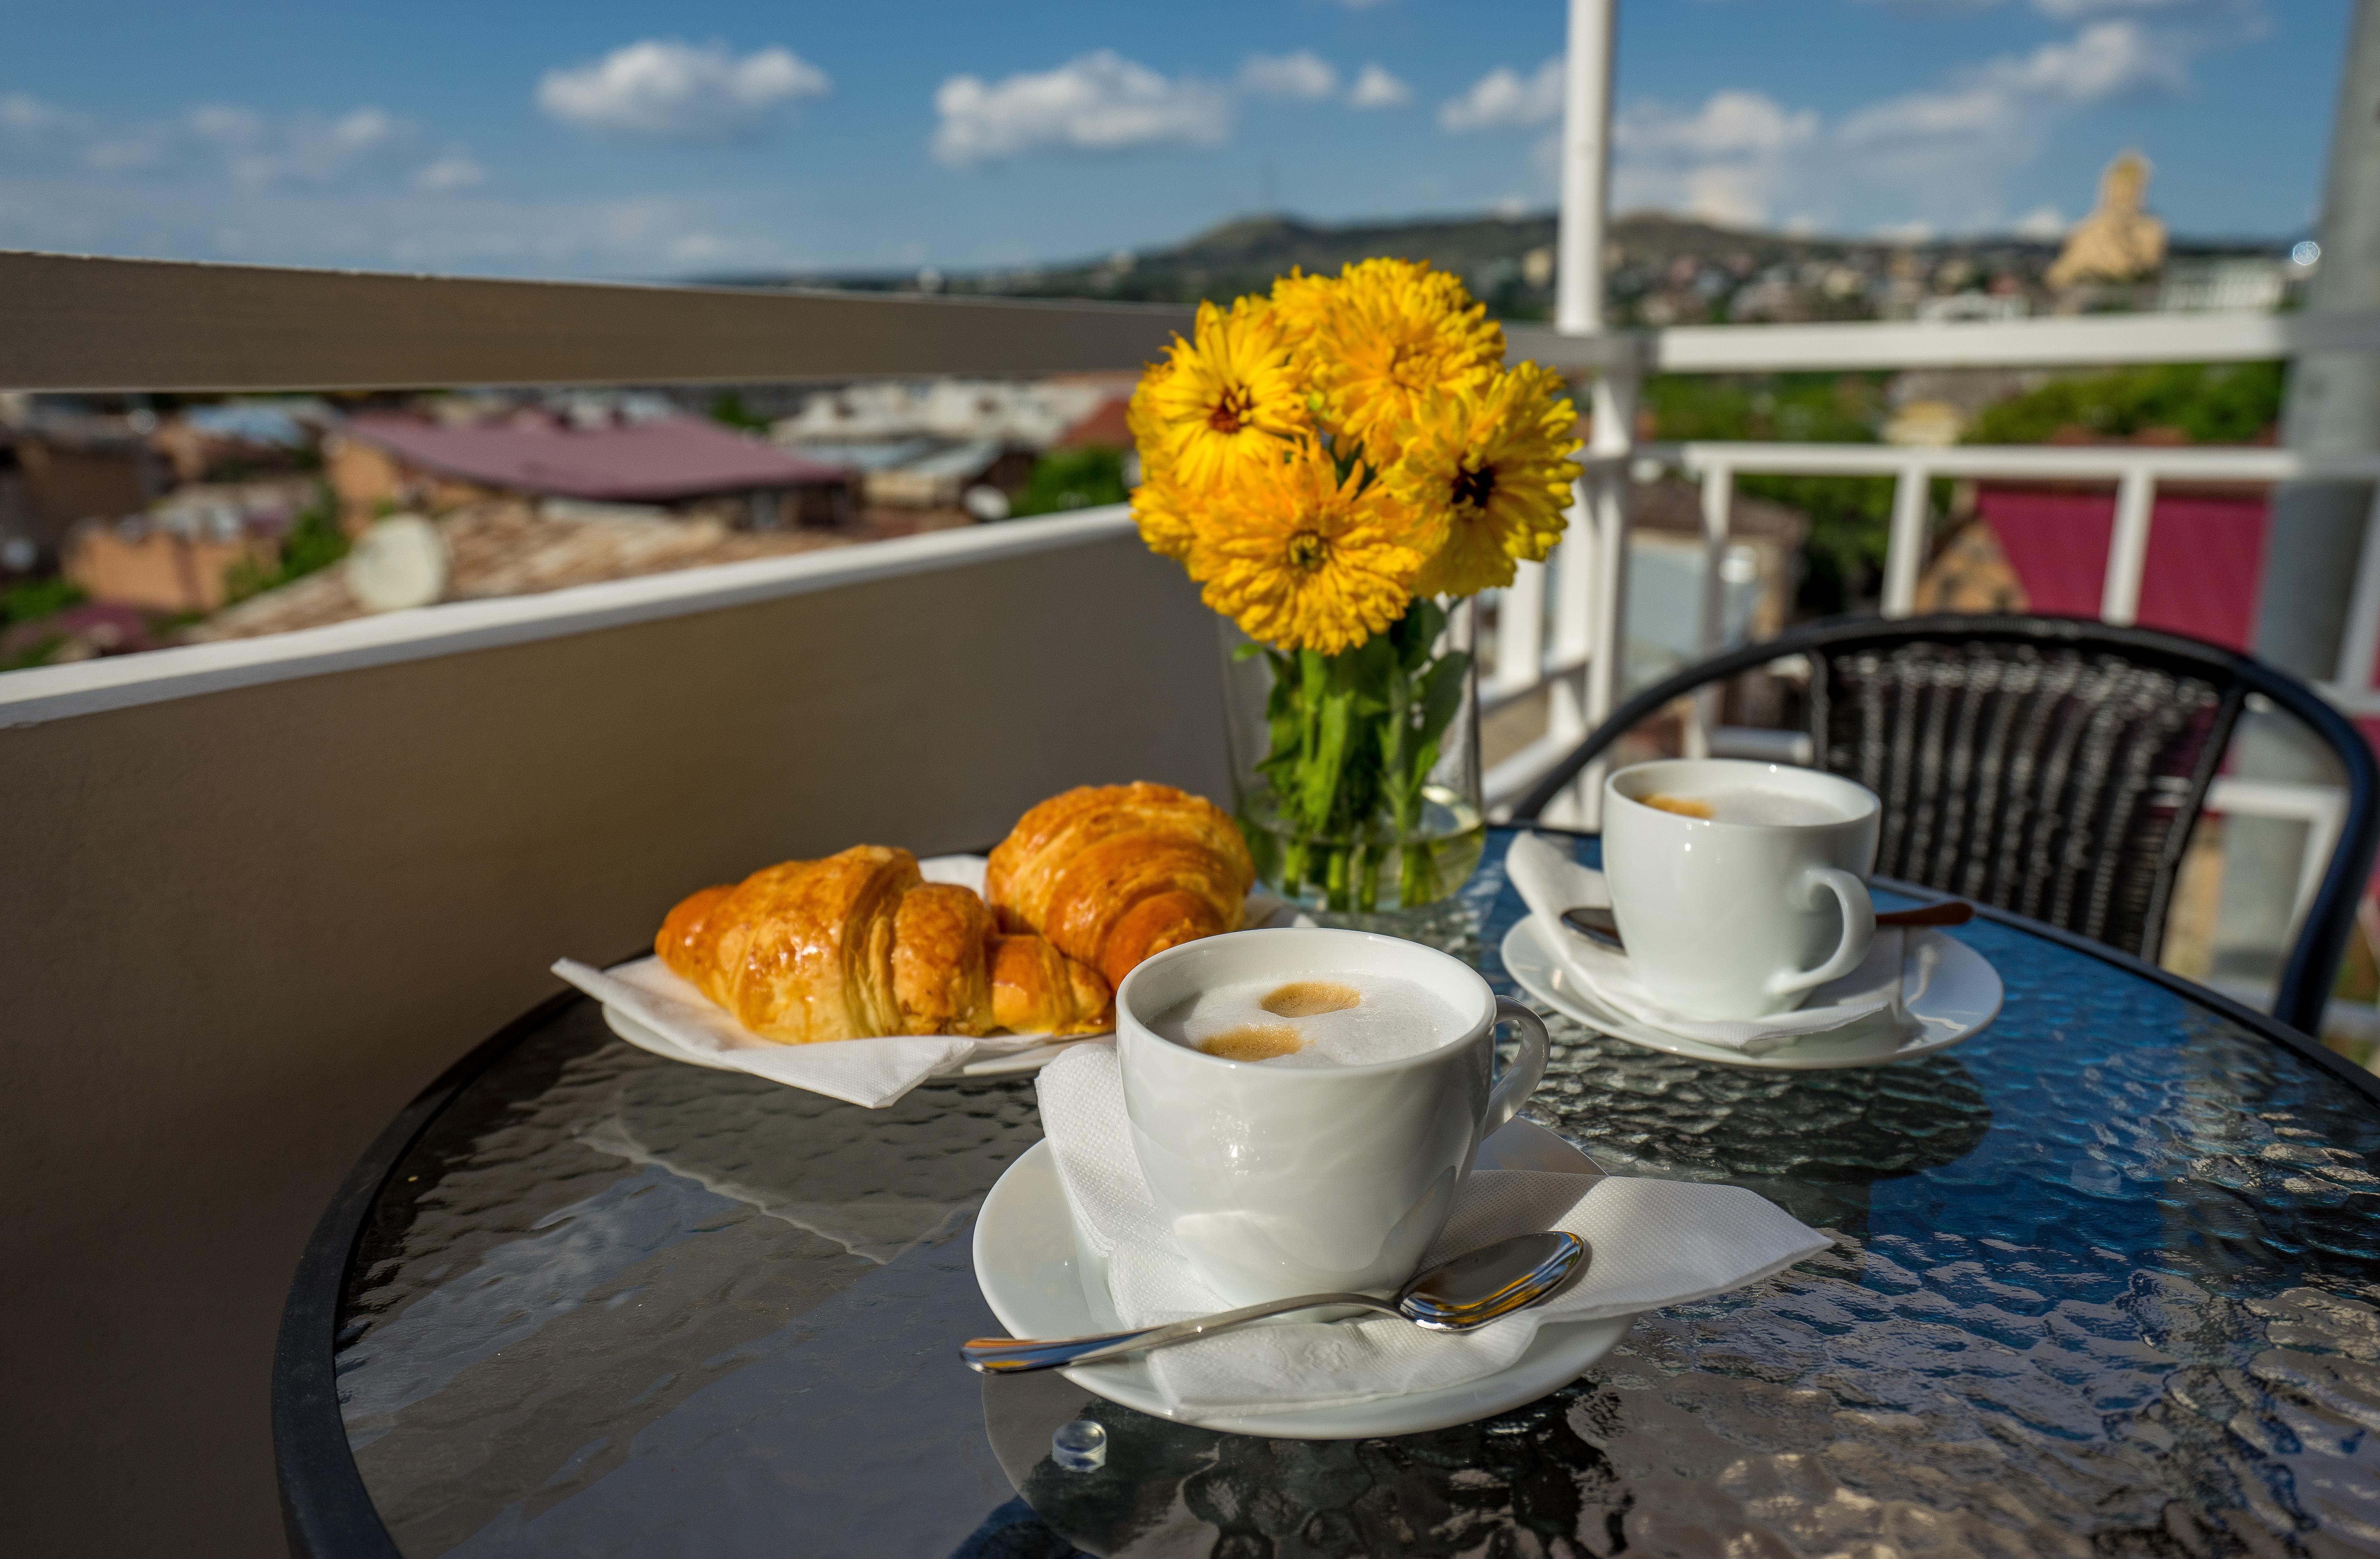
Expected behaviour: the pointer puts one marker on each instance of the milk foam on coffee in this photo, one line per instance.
(1759, 808)
(1327, 1020)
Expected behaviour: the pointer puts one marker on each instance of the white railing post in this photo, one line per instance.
(1521, 630)
(1586, 169)
(1589, 617)
(1605, 493)
(2128, 547)
(2359, 647)
(1905, 553)
(1718, 499)
(1574, 576)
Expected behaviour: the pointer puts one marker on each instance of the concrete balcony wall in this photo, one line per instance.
(239, 930)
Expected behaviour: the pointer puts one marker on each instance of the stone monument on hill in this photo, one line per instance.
(2118, 241)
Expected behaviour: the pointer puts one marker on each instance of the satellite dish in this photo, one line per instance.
(401, 561)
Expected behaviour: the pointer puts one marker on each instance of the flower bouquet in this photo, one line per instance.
(1332, 462)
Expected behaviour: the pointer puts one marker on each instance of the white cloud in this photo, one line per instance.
(1729, 162)
(1504, 99)
(1302, 74)
(2107, 59)
(1905, 232)
(2042, 221)
(22, 114)
(1098, 103)
(669, 89)
(1375, 87)
(259, 151)
(456, 170)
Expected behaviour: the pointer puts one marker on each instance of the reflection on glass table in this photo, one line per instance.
(2106, 1281)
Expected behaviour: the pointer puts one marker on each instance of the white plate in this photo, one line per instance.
(644, 1036)
(1959, 1002)
(1040, 1284)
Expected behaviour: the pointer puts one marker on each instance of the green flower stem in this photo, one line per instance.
(1354, 738)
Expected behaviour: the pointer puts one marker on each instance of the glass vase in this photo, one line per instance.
(1356, 776)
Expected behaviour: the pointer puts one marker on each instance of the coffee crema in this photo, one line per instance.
(1750, 805)
(1327, 1022)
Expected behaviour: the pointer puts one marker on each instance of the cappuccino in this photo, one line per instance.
(1329, 1021)
(1757, 808)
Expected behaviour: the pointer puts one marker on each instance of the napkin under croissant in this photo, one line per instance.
(1087, 885)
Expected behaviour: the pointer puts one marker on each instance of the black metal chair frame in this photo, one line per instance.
(2312, 963)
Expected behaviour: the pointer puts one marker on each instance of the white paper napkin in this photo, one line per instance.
(1653, 1243)
(1868, 1003)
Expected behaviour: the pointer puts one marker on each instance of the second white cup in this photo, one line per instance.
(1740, 914)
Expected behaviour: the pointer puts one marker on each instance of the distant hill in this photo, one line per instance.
(1660, 268)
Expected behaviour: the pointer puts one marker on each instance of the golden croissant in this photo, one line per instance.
(1112, 874)
(857, 945)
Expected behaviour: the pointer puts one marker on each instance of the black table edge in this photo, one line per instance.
(326, 1509)
(324, 1505)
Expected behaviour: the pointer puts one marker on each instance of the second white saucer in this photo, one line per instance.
(1958, 1003)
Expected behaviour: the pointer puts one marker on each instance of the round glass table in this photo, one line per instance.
(2107, 1281)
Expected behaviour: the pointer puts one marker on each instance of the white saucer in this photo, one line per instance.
(1959, 1002)
(1040, 1284)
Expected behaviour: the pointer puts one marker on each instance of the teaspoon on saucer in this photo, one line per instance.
(1458, 1296)
(1595, 922)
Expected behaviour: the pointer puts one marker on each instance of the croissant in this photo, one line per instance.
(1112, 874)
(1035, 986)
(857, 945)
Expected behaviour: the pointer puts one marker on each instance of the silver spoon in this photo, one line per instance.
(1596, 922)
(1458, 1296)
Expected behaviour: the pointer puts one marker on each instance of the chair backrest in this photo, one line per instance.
(2053, 767)
(2058, 780)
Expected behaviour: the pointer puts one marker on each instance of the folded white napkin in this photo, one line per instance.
(1868, 1003)
(1652, 1242)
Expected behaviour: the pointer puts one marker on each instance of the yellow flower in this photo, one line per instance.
(1495, 459)
(1222, 402)
(1303, 560)
(1162, 512)
(1383, 338)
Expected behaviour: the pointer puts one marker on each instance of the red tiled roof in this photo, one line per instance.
(665, 459)
(1104, 426)
(2205, 563)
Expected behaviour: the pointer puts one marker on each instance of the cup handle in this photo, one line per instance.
(1859, 930)
(1520, 1079)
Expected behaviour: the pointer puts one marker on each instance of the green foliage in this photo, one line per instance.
(2226, 403)
(28, 600)
(1354, 736)
(1072, 478)
(1851, 517)
(315, 541)
(727, 408)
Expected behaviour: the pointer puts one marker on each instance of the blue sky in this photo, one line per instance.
(609, 139)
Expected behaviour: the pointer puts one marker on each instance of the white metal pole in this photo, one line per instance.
(1586, 169)
(1718, 499)
(2128, 547)
(1905, 551)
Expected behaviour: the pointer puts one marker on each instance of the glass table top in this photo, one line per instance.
(2108, 1280)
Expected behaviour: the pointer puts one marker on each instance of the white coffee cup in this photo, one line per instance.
(1733, 919)
(1284, 1180)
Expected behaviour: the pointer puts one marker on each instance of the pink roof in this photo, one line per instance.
(2204, 562)
(668, 457)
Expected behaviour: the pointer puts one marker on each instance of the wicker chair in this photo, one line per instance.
(2050, 765)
